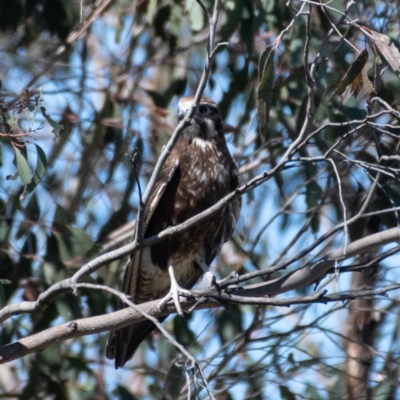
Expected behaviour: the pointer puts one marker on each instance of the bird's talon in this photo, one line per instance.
(174, 293)
(175, 298)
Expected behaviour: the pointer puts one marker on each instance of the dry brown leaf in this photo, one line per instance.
(367, 84)
(352, 74)
(388, 50)
(356, 85)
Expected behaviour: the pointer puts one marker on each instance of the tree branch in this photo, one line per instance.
(127, 316)
(210, 297)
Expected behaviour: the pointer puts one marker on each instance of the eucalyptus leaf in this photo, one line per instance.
(264, 93)
(195, 14)
(388, 50)
(351, 75)
(23, 167)
(55, 125)
(40, 170)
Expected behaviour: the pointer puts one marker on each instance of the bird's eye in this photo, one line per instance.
(203, 109)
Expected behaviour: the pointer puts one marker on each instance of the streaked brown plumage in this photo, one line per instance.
(197, 174)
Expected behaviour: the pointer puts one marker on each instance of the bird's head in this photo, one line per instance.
(207, 121)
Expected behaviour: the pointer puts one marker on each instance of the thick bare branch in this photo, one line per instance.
(119, 319)
(256, 294)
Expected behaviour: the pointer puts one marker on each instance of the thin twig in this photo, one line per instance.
(345, 228)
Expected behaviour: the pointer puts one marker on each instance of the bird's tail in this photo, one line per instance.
(122, 344)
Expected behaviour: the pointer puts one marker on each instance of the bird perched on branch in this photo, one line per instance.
(196, 175)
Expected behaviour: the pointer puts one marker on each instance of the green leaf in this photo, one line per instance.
(23, 167)
(41, 165)
(10, 118)
(315, 223)
(196, 15)
(264, 93)
(313, 194)
(4, 230)
(55, 125)
(151, 10)
(82, 241)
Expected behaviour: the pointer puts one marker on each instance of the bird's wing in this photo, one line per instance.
(141, 260)
(164, 179)
(233, 209)
(234, 213)
(122, 344)
(228, 220)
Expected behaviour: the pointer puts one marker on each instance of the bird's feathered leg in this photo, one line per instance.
(212, 279)
(174, 292)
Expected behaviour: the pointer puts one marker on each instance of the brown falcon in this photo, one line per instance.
(196, 175)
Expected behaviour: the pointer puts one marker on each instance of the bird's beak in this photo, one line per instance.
(229, 129)
(182, 113)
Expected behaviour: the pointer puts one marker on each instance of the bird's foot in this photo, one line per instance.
(174, 293)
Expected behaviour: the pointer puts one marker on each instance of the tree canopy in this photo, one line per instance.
(311, 93)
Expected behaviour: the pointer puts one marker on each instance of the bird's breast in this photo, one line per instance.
(205, 179)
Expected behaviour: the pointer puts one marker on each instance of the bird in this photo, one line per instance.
(198, 173)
